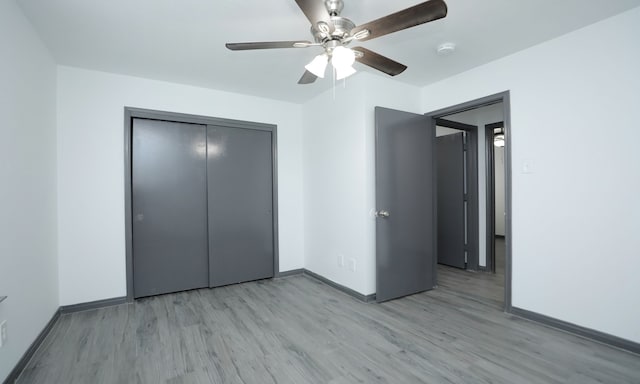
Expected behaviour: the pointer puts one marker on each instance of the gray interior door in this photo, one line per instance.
(405, 227)
(169, 205)
(240, 190)
(451, 222)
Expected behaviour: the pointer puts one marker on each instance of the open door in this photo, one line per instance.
(405, 224)
(451, 215)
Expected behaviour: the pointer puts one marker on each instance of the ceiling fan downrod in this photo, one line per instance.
(334, 7)
(342, 27)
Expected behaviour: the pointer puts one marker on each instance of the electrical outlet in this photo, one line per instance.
(341, 260)
(352, 264)
(3, 333)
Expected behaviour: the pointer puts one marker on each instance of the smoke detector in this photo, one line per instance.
(446, 49)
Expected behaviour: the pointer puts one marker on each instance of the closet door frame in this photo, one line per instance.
(131, 113)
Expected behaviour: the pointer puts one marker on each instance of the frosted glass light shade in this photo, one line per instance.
(342, 58)
(343, 73)
(318, 65)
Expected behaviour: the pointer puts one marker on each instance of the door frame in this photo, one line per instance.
(473, 207)
(491, 194)
(504, 98)
(129, 114)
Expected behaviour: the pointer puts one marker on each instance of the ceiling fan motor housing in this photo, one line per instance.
(343, 27)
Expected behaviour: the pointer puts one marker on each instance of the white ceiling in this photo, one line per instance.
(183, 40)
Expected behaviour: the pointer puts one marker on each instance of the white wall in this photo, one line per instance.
(91, 170)
(334, 184)
(339, 177)
(575, 214)
(480, 117)
(28, 262)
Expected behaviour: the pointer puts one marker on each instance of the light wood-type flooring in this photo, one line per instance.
(299, 330)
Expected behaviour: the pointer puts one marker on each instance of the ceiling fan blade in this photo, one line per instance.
(307, 78)
(419, 14)
(316, 12)
(379, 62)
(267, 45)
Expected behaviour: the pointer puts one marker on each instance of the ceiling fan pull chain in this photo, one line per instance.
(333, 71)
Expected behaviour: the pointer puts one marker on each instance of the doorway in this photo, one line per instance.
(492, 281)
(406, 202)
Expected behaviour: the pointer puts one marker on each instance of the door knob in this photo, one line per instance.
(382, 214)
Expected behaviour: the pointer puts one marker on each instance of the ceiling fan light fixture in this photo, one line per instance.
(343, 73)
(318, 65)
(342, 58)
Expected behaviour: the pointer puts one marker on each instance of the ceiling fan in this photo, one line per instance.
(333, 33)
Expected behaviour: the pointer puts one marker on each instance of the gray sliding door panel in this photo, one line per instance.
(451, 215)
(240, 192)
(405, 238)
(169, 207)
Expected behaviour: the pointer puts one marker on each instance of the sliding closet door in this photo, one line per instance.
(169, 207)
(240, 190)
